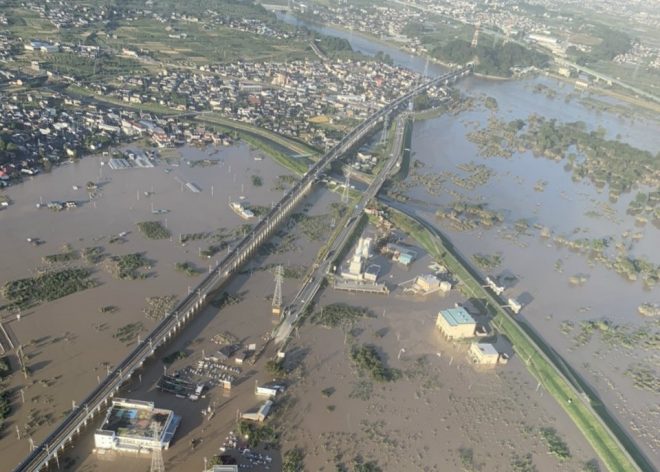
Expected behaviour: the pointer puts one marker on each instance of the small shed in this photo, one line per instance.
(483, 354)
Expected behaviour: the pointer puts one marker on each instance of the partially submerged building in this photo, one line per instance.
(401, 254)
(485, 354)
(515, 305)
(355, 269)
(456, 323)
(429, 283)
(136, 426)
(269, 390)
(261, 414)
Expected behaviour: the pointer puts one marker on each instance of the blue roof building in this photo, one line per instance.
(456, 323)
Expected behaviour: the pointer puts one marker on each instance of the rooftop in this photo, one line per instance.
(487, 349)
(457, 316)
(134, 418)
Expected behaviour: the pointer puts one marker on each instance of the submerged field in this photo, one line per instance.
(562, 243)
(70, 340)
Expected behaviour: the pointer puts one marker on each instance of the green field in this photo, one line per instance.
(202, 44)
(588, 414)
(640, 77)
(29, 24)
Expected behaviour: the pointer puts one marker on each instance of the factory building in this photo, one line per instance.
(401, 254)
(136, 426)
(356, 265)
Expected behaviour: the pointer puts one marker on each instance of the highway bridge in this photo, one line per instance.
(193, 303)
(312, 284)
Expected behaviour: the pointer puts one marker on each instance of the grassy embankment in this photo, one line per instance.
(268, 142)
(404, 163)
(582, 406)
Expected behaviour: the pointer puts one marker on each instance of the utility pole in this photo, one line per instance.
(475, 37)
(21, 360)
(347, 185)
(277, 294)
(157, 463)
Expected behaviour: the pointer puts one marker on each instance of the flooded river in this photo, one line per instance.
(58, 335)
(556, 308)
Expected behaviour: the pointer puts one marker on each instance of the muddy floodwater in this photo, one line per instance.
(555, 307)
(443, 414)
(341, 416)
(249, 320)
(68, 343)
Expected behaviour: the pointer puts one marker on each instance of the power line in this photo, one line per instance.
(344, 196)
(157, 463)
(277, 294)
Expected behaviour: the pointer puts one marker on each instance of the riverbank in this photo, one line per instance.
(635, 101)
(577, 404)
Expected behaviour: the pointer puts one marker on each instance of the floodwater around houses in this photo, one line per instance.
(68, 342)
(567, 208)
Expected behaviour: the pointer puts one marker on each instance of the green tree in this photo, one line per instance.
(293, 461)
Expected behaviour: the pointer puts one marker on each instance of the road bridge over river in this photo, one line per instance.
(170, 325)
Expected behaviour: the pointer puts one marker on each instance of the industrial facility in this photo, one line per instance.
(456, 323)
(136, 426)
(356, 265)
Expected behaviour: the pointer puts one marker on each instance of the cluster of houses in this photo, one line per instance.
(37, 130)
(6, 53)
(514, 21)
(214, 18)
(377, 19)
(286, 98)
(62, 16)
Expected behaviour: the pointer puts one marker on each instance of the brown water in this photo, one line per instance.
(68, 341)
(441, 144)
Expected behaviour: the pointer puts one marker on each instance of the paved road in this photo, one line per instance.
(312, 284)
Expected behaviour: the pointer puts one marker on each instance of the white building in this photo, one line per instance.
(261, 414)
(130, 425)
(363, 248)
(356, 264)
(515, 305)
